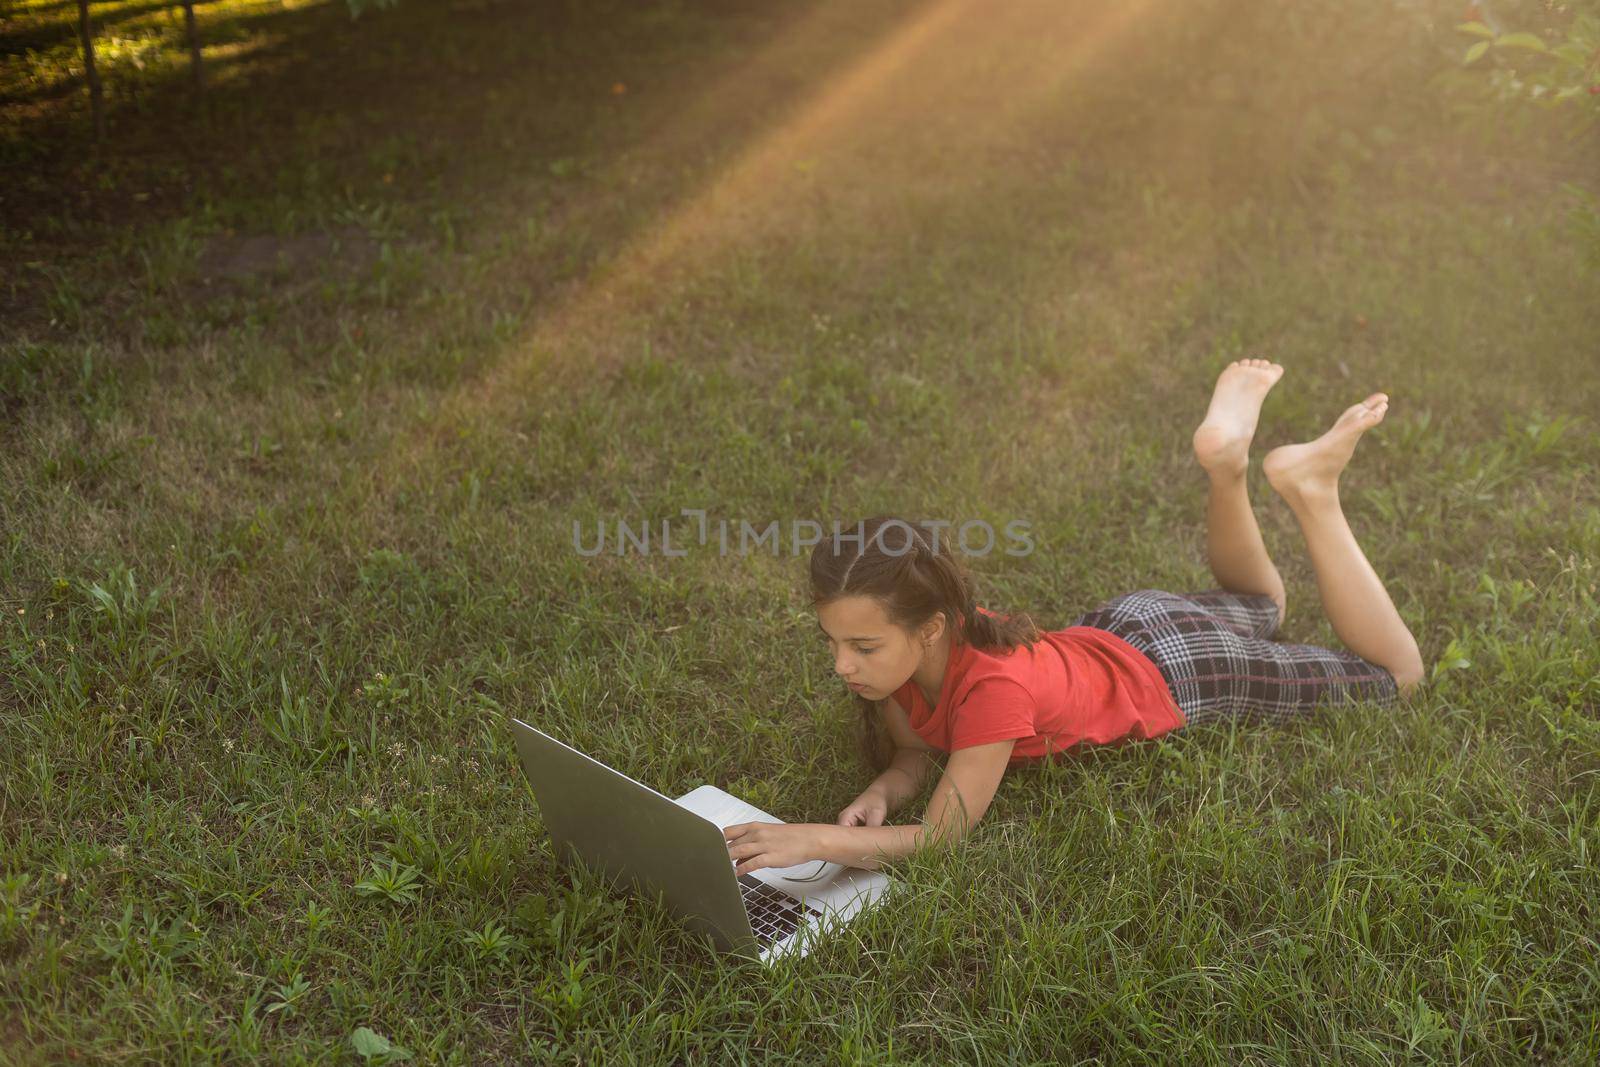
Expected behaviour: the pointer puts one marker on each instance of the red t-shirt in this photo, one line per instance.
(1075, 685)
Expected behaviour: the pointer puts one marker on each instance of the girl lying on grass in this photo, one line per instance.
(993, 691)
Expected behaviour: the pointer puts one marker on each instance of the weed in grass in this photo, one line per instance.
(316, 919)
(491, 944)
(384, 691)
(289, 995)
(375, 1048)
(17, 913)
(399, 885)
(118, 605)
(148, 944)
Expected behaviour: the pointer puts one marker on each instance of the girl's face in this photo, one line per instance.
(873, 655)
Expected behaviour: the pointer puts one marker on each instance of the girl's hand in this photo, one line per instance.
(868, 809)
(765, 844)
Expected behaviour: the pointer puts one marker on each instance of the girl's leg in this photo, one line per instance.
(1215, 673)
(1246, 614)
(1307, 477)
(1234, 547)
(1221, 676)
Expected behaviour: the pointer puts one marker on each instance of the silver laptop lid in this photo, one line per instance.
(634, 834)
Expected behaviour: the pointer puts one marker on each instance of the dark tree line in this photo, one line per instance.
(192, 38)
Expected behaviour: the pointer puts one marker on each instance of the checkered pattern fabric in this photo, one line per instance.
(1212, 649)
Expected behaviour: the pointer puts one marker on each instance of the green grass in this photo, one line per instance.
(291, 454)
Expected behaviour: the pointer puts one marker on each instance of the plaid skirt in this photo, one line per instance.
(1212, 649)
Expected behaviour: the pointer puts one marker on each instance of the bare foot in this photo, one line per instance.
(1310, 470)
(1222, 443)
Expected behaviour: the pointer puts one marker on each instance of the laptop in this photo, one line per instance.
(635, 835)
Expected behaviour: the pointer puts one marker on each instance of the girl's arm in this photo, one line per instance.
(899, 782)
(959, 801)
(904, 777)
(970, 780)
(913, 758)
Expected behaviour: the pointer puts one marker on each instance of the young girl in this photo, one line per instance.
(940, 673)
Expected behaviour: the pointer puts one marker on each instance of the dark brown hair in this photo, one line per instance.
(910, 570)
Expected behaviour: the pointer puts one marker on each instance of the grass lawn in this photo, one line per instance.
(303, 392)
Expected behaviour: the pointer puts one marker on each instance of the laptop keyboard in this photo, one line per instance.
(774, 915)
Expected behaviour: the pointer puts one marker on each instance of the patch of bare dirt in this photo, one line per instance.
(237, 257)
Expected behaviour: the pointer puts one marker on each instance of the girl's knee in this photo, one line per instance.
(1281, 599)
(1408, 678)
(1409, 673)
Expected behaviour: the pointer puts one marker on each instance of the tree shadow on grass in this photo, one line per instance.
(322, 109)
